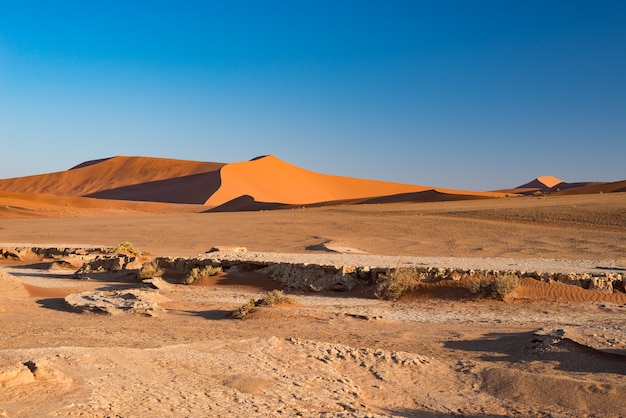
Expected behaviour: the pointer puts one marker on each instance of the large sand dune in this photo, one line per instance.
(262, 183)
(111, 173)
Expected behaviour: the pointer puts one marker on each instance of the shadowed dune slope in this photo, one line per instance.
(612, 187)
(95, 176)
(270, 180)
(193, 189)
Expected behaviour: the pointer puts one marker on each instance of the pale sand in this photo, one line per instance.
(441, 354)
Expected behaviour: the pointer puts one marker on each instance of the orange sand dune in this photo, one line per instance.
(95, 176)
(270, 180)
(262, 183)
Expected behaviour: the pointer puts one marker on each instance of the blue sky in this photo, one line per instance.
(462, 94)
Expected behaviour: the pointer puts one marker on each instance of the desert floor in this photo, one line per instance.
(441, 353)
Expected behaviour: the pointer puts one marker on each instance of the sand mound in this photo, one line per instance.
(555, 291)
(11, 286)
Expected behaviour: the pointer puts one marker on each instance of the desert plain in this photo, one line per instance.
(548, 350)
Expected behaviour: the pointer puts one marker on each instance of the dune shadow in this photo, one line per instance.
(192, 189)
(568, 355)
(247, 203)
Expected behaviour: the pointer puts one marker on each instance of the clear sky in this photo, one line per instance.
(462, 94)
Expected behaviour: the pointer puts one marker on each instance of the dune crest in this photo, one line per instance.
(549, 181)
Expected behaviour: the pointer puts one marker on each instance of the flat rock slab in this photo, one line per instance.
(143, 302)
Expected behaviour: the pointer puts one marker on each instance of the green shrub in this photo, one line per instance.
(396, 283)
(198, 273)
(125, 248)
(149, 270)
(498, 287)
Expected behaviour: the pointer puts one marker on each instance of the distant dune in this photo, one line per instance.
(262, 183)
(556, 186)
(107, 174)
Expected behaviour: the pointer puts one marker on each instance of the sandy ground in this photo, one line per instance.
(441, 353)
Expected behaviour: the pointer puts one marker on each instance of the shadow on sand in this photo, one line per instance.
(567, 354)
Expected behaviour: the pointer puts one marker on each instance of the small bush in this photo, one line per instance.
(198, 273)
(149, 270)
(275, 297)
(498, 287)
(396, 283)
(125, 248)
(243, 311)
(272, 298)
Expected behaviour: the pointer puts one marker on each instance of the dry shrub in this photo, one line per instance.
(276, 297)
(272, 298)
(125, 248)
(396, 283)
(243, 311)
(149, 270)
(498, 287)
(198, 273)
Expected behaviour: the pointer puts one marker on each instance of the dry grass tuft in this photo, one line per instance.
(396, 283)
(276, 297)
(498, 287)
(149, 270)
(272, 298)
(200, 273)
(243, 311)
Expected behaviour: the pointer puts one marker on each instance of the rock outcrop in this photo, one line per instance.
(118, 264)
